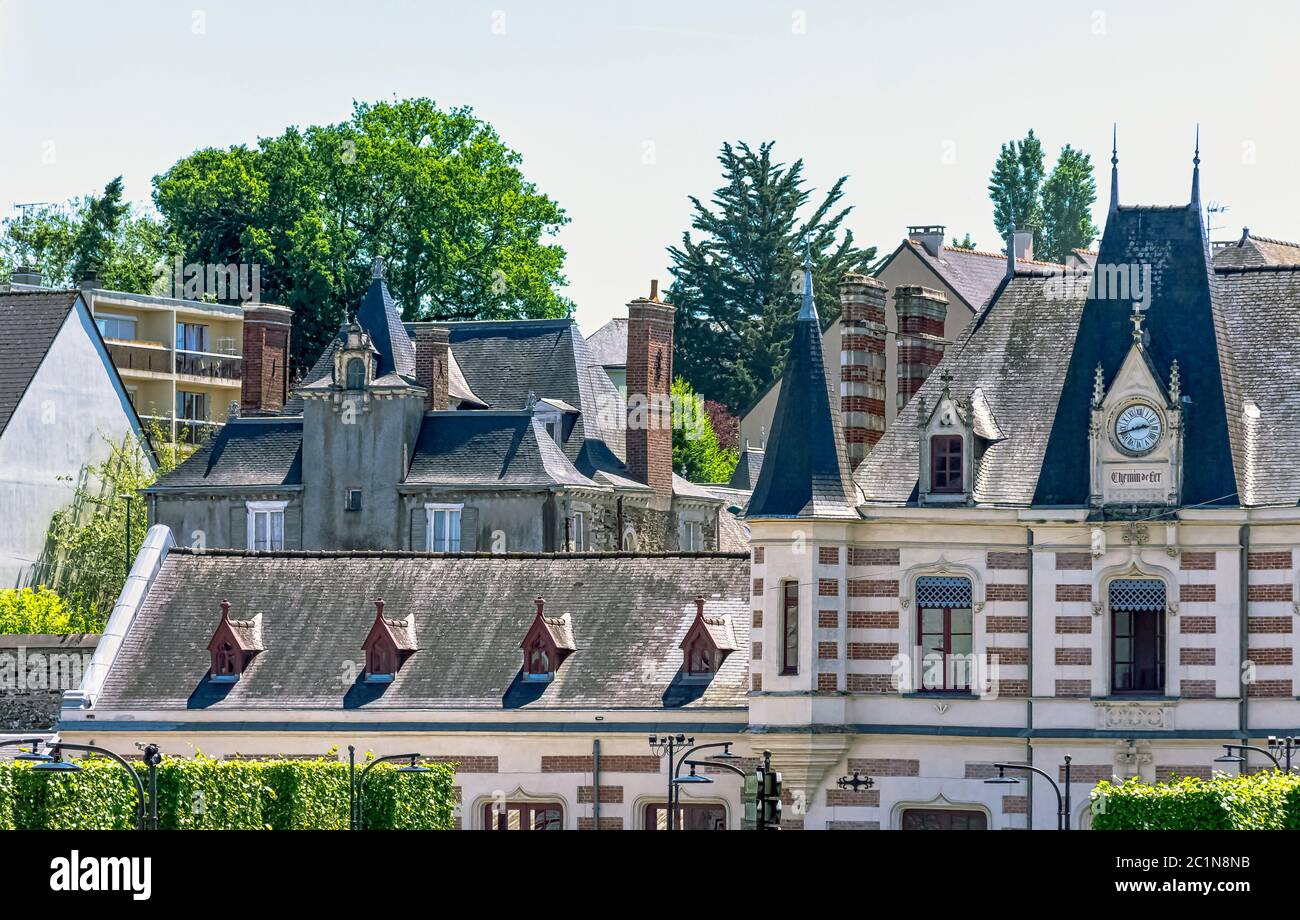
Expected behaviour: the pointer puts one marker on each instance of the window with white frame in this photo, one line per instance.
(578, 528)
(692, 536)
(443, 527)
(552, 421)
(113, 326)
(266, 525)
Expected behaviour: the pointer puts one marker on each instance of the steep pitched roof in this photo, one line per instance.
(244, 452)
(804, 471)
(750, 464)
(1251, 250)
(489, 448)
(628, 614)
(29, 322)
(972, 273)
(379, 316)
(608, 344)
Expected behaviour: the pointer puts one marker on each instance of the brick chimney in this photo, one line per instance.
(431, 360)
(922, 313)
(265, 363)
(649, 389)
(862, 364)
(1022, 243)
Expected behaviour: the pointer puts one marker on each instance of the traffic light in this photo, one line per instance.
(771, 803)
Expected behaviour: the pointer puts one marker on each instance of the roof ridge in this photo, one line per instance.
(411, 554)
(1254, 269)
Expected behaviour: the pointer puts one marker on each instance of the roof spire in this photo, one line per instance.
(1114, 167)
(1196, 170)
(377, 269)
(1136, 319)
(808, 311)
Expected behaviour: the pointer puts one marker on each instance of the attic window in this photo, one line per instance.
(233, 645)
(946, 463)
(548, 643)
(356, 374)
(390, 642)
(708, 642)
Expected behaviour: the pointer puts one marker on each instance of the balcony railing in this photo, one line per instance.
(140, 356)
(208, 364)
(188, 431)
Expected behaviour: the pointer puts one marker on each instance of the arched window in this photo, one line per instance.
(700, 659)
(945, 632)
(226, 662)
(1137, 630)
(356, 374)
(629, 539)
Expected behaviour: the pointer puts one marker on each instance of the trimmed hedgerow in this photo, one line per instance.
(1257, 801)
(207, 794)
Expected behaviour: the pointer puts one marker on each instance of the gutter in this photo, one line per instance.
(595, 784)
(1243, 626)
(1029, 700)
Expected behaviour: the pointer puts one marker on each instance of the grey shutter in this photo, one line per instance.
(292, 526)
(419, 529)
(468, 530)
(239, 527)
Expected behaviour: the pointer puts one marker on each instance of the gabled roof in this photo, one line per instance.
(399, 631)
(608, 344)
(804, 471)
(244, 452)
(716, 625)
(1251, 250)
(629, 614)
(973, 274)
(750, 464)
(491, 448)
(246, 633)
(29, 323)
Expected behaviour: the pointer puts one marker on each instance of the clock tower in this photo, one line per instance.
(1136, 431)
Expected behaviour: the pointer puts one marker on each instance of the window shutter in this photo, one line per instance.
(469, 530)
(419, 529)
(239, 527)
(292, 526)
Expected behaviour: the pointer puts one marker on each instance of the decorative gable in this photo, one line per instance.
(947, 445)
(1135, 432)
(233, 645)
(355, 360)
(547, 644)
(708, 642)
(390, 642)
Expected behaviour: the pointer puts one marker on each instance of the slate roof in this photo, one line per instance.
(972, 273)
(1030, 357)
(489, 448)
(608, 344)
(804, 473)
(29, 322)
(379, 316)
(628, 614)
(244, 452)
(750, 464)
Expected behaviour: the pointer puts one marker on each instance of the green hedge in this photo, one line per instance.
(1256, 801)
(206, 794)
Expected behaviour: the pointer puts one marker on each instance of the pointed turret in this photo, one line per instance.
(804, 473)
(1114, 169)
(1196, 172)
(379, 316)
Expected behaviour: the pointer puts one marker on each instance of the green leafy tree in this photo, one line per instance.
(1068, 196)
(1016, 187)
(697, 454)
(101, 233)
(736, 278)
(435, 193)
(86, 554)
(965, 243)
(40, 610)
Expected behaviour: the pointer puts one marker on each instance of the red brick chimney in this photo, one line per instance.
(922, 313)
(649, 392)
(862, 364)
(264, 368)
(431, 359)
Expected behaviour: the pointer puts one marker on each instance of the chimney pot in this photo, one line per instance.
(654, 289)
(225, 609)
(541, 604)
(649, 404)
(432, 357)
(1022, 242)
(379, 607)
(699, 605)
(931, 236)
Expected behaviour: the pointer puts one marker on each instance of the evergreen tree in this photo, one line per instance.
(965, 243)
(737, 285)
(1068, 196)
(1016, 185)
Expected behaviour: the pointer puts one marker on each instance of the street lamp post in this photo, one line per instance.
(669, 744)
(1062, 803)
(677, 780)
(54, 763)
(1230, 757)
(355, 808)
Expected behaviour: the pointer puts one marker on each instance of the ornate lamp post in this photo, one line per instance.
(1062, 803)
(355, 782)
(1284, 747)
(54, 763)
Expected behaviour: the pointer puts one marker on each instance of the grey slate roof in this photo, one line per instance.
(29, 322)
(972, 273)
(628, 615)
(750, 464)
(245, 452)
(459, 448)
(1251, 250)
(608, 344)
(379, 316)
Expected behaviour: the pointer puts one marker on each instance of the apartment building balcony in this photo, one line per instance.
(211, 366)
(132, 356)
(178, 430)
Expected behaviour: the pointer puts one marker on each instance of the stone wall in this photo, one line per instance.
(34, 672)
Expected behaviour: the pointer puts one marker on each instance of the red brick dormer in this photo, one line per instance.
(548, 642)
(390, 642)
(233, 645)
(707, 643)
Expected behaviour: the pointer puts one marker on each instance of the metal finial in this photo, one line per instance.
(1175, 384)
(808, 309)
(1114, 144)
(1136, 320)
(1098, 386)
(377, 269)
(1196, 157)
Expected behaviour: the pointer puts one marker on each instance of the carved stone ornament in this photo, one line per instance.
(1114, 715)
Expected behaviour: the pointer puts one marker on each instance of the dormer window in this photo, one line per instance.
(548, 643)
(356, 374)
(390, 642)
(233, 646)
(708, 642)
(946, 473)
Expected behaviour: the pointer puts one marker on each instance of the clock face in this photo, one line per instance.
(1138, 429)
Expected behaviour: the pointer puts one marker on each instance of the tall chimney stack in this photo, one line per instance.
(432, 355)
(264, 368)
(931, 236)
(862, 364)
(649, 392)
(1022, 244)
(922, 313)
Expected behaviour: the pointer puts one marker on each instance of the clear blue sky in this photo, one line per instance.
(618, 108)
